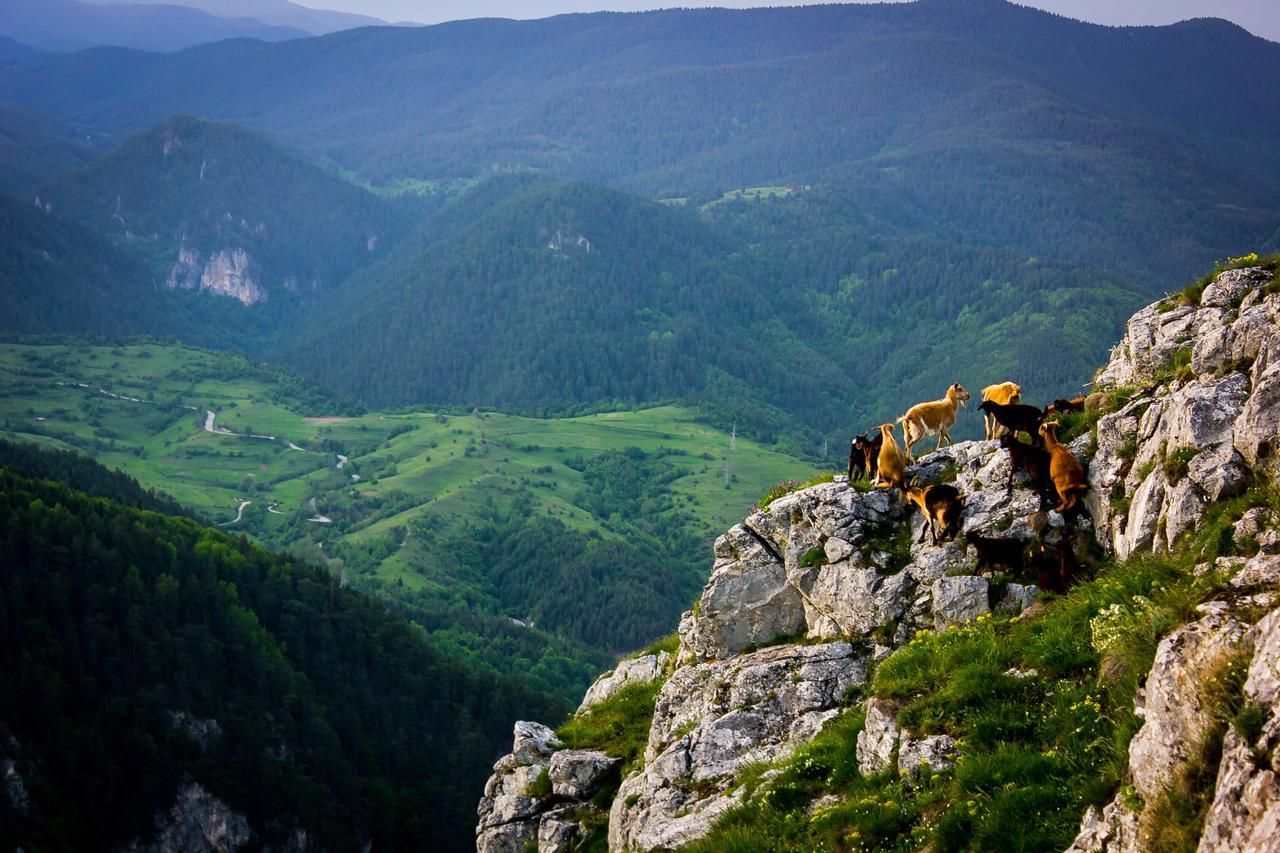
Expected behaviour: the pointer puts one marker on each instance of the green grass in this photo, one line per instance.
(618, 726)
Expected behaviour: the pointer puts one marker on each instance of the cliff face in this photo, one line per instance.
(809, 597)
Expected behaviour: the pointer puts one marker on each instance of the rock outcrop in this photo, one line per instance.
(807, 594)
(198, 822)
(229, 272)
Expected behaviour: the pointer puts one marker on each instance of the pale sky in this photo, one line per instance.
(1260, 17)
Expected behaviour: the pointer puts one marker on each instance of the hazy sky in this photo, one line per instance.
(1261, 17)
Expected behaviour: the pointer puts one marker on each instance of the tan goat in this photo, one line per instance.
(1064, 469)
(933, 418)
(1006, 394)
(891, 464)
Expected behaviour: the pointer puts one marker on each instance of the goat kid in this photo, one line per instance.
(996, 551)
(941, 506)
(1061, 406)
(933, 418)
(1033, 461)
(1005, 393)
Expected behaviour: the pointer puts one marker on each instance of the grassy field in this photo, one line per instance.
(382, 489)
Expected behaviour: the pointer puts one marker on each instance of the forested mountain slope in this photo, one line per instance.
(59, 276)
(220, 209)
(142, 653)
(770, 313)
(35, 148)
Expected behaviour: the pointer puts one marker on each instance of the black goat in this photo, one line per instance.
(1016, 417)
(995, 551)
(1032, 460)
(1061, 406)
(1057, 566)
(864, 456)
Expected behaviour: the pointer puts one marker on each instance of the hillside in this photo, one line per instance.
(461, 521)
(218, 209)
(774, 314)
(247, 695)
(1102, 679)
(35, 149)
(68, 25)
(279, 13)
(58, 276)
(1042, 124)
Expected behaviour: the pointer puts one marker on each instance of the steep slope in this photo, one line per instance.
(66, 25)
(938, 698)
(788, 320)
(58, 276)
(158, 672)
(1023, 104)
(35, 149)
(219, 209)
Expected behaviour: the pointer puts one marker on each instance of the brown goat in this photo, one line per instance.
(891, 465)
(1061, 406)
(941, 506)
(1064, 469)
(933, 418)
(1006, 394)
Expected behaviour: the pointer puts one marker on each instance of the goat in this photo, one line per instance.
(1006, 393)
(1015, 417)
(863, 453)
(1061, 406)
(941, 506)
(1057, 571)
(932, 418)
(857, 459)
(891, 465)
(1064, 469)
(995, 551)
(1032, 460)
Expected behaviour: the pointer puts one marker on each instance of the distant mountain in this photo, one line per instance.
(277, 12)
(949, 108)
(68, 25)
(35, 148)
(219, 209)
(16, 51)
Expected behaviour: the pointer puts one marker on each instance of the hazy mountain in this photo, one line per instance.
(16, 51)
(67, 25)
(35, 148)
(276, 12)
(219, 209)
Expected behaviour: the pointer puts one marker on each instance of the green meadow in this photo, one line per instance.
(408, 512)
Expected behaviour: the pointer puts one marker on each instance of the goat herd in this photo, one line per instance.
(1054, 470)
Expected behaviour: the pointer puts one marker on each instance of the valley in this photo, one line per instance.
(395, 501)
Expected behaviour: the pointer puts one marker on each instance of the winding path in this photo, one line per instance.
(239, 514)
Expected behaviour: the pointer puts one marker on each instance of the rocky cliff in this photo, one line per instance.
(843, 682)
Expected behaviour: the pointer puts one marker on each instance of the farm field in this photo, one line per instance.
(394, 501)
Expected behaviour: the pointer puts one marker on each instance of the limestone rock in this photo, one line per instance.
(878, 739)
(1114, 829)
(635, 671)
(843, 599)
(534, 743)
(508, 838)
(197, 822)
(710, 718)
(1255, 428)
(1183, 510)
(1219, 472)
(1229, 287)
(1174, 715)
(558, 832)
(1151, 338)
(918, 755)
(577, 773)
(959, 599)
(747, 601)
